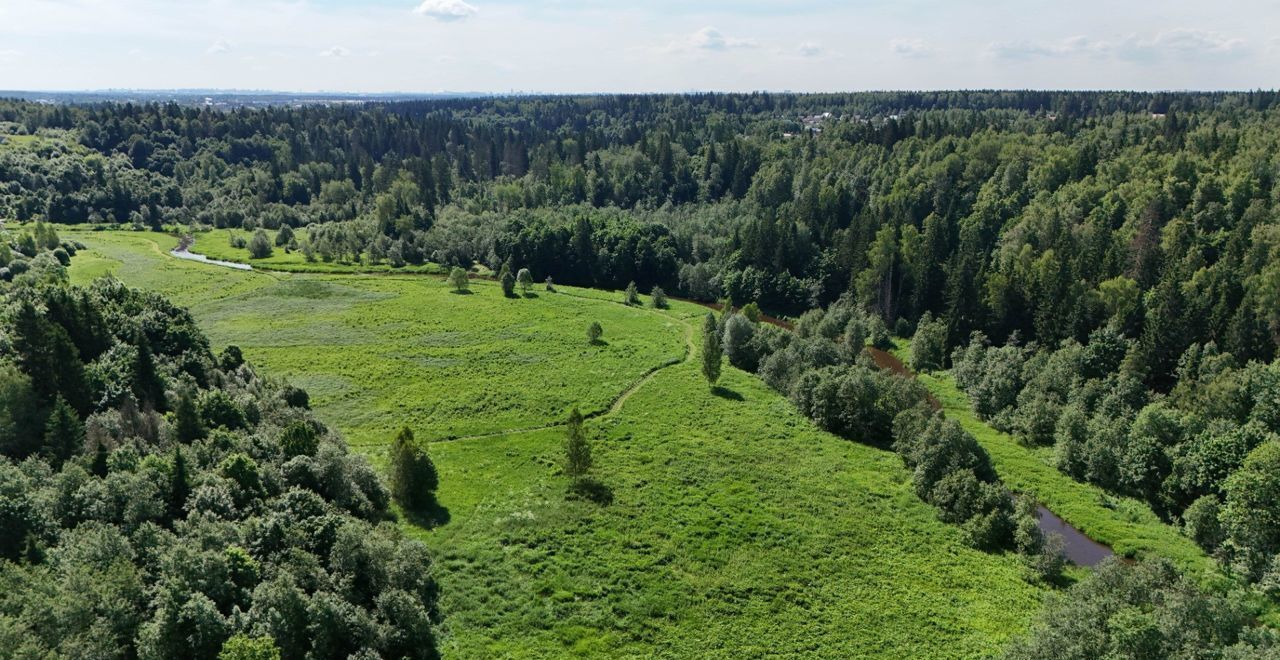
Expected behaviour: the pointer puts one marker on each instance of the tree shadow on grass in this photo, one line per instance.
(599, 342)
(530, 294)
(726, 393)
(464, 292)
(430, 516)
(589, 488)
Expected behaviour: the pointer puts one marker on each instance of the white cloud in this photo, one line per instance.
(1180, 43)
(912, 48)
(219, 47)
(446, 10)
(9, 55)
(810, 49)
(1183, 43)
(336, 51)
(709, 39)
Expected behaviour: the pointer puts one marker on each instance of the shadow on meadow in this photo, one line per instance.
(726, 393)
(592, 490)
(430, 516)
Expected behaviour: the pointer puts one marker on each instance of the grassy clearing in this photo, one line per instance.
(1128, 525)
(377, 352)
(736, 529)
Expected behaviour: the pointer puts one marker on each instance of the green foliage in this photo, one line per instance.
(458, 280)
(752, 312)
(658, 298)
(508, 281)
(413, 475)
(594, 332)
(1143, 611)
(929, 344)
(260, 245)
(631, 296)
(577, 449)
(712, 353)
(187, 422)
(244, 647)
(525, 279)
(63, 433)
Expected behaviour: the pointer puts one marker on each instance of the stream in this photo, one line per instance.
(181, 252)
(1077, 548)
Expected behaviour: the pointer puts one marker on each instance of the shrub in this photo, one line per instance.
(659, 298)
(525, 279)
(458, 280)
(594, 332)
(929, 345)
(260, 245)
(631, 296)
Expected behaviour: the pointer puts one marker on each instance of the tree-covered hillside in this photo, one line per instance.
(158, 501)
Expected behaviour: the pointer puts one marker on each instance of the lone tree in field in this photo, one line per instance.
(508, 281)
(458, 280)
(712, 352)
(659, 298)
(413, 476)
(631, 296)
(260, 245)
(577, 450)
(551, 286)
(525, 279)
(594, 331)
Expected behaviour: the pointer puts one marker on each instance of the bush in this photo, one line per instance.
(594, 332)
(458, 280)
(260, 245)
(525, 279)
(659, 298)
(631, 296)
(929, 345)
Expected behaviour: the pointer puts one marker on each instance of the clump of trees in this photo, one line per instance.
(1146, 610)
(158, 501)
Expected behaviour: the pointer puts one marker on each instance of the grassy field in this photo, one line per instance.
(1128, 525)
(735, 529)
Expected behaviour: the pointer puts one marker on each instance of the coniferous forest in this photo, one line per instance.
(1098, 273)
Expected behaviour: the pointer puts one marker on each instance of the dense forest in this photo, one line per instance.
(160, 501)
(1099, 271)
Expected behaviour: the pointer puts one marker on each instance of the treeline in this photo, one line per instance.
(1046, 214)
(159, 501)
(1206, 454)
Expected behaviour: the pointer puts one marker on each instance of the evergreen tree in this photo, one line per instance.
(99, 465)
(179, 484)
(64, 433)
(187, 424)
(413, 475)
(577, 449)
(148, 386)
(712, 352)
(508, 281)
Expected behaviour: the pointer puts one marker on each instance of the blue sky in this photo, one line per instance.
(659, 45)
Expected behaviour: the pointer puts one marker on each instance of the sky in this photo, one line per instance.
(571, 46)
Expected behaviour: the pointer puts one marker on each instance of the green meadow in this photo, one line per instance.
(734, 527)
